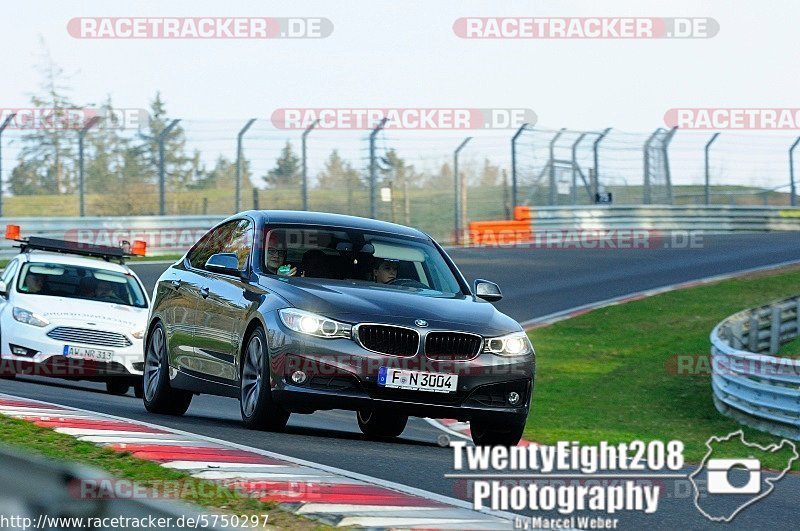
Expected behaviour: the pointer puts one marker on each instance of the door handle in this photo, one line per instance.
(204, 292)
(176, 284)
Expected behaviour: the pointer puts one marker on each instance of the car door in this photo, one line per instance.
(182, 286)
(222, 306)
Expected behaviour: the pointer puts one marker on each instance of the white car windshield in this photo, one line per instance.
(77, 282)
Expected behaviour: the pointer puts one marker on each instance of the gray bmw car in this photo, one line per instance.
(295, 312)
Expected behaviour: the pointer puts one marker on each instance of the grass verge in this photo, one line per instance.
(29, 438)
(610, 374)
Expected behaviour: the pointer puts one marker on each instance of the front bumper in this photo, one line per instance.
(45, 357)
(342, 375)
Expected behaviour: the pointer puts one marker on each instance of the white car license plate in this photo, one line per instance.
(88, 353)
(417, 380)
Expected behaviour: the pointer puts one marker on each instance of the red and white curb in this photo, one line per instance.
(337, 497)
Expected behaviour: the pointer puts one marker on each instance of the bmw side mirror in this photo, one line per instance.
(224, 263)
(488, 291)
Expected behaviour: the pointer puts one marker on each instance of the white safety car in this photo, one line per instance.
(72, 311)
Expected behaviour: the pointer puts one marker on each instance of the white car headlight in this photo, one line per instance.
(313, 324)
(28, 317)
(516, 344)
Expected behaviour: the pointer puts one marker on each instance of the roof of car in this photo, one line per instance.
(336, 220)
(68, 259)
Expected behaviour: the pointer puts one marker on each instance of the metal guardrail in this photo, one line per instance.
(40, 493)
(175, 234)
(751, 384)
(714, 218)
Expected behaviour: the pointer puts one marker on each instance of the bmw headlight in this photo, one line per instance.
(28, 317)
(516, 344)
(313, 324)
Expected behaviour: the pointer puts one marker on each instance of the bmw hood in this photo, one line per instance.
(358, 302)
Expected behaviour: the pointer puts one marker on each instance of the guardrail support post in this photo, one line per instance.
(514, 165)
(596, 181)
(162, 174)
(752, 334)
(2, 128)
(552, 194)
(775, 330)
(457, 176)
(81, 180)
(792, 182)
(708, 176)
(646, 188)
(237, 202)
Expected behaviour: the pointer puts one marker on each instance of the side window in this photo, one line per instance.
(232, 237)
(8, 274)
(241, 242)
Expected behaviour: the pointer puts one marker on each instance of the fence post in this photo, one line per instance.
(514, 165)
(646, 197)
(373, 185)
(575, 170)
(237, 203)
(596, 181)
(162, 175)
(81, 181)
(457, 190)
(792, 182)
(2, 128)
(305, 162)
(255, 199)
(665, 155)
(552, 194)
(708, 177)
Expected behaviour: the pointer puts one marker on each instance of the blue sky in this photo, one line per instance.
(405, 54)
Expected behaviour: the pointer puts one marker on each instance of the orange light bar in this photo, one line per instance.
(139, 248)
(12, 232)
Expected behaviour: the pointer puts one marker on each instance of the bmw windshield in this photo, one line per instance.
(369, 258)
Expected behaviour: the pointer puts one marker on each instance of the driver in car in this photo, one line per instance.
(385, 270)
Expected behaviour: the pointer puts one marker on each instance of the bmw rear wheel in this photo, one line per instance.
(379, 423)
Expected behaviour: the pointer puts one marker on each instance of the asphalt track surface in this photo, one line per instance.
(535, 282)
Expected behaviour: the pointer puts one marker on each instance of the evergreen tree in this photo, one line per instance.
(286, 171)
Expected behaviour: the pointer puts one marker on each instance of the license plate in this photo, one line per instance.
(88, 353)
(417, 380)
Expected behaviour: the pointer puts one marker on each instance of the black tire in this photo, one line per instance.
(381, 424)
(138, 389)
(259, 410)
(158, 396)
(117, 386)
(487, 432)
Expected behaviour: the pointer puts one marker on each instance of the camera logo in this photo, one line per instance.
(726, 484)
(720, 470)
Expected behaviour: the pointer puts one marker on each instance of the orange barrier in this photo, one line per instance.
(499, 232)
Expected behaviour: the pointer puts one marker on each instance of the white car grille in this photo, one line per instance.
(89, 337)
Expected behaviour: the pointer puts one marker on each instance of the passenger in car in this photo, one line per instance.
(385, 270)
(315, 264)
(34, 283)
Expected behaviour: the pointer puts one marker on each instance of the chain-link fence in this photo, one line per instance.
(168, 166)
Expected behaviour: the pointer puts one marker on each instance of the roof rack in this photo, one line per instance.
(105, 252)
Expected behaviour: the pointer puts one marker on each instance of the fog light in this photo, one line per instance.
(298, 377)
(513, 398)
